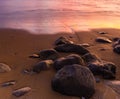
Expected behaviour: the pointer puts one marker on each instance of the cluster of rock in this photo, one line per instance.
(75, 72)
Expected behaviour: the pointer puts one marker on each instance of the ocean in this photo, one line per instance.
(52, 16)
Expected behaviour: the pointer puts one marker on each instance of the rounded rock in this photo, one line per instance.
(68, 48)
(43, 65)
(48, 54)
(74, 80)
(69, 60)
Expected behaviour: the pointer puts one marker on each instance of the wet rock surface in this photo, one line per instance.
(103, 40)
(74, 80)
(48, 54)
(68, 60)
(43, 65)
(71, 48)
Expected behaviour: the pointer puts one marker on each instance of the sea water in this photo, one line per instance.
(52, 16)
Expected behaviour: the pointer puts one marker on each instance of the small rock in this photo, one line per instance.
(88, 58)
(43, 65)
(62, 40)
(34, 56)
(85, 45)
(102, 32)
(69, 60)
(103, 40)
(97, 80)
(4, 68)
(49, 54)
(8, 83)
(27, 71)
(71, 48)
(74, 80)
(116, 49)
(21, 92)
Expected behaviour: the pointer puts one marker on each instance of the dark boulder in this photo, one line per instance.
(116, 49)
(48, 54)
(43, 65)
(103, 40)
(71, 48)
(106, 69)
(74, 80)
(62, 40)
(69, 60)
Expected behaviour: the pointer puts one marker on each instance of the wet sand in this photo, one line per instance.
(17, 45)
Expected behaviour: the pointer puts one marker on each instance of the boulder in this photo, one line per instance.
(48, 54)
(62, 40)
(71, 48)
(106, 69)
(103, 40)
(74, 80)
(4, 68)
(43, 65)
(69, 60)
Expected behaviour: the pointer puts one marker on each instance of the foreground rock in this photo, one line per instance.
(74, 80)
(48, 54)
(43, 65)
(71, 48)
(100, 67)
(62, 40)
(106, 69)
(21, 92)
(69, 60)
(103, 40)
(4, 68)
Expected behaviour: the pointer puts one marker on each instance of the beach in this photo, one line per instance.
(17, 45)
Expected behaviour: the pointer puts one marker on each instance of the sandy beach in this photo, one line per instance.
(17, 45)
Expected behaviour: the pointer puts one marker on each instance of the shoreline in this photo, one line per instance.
(17, 45)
